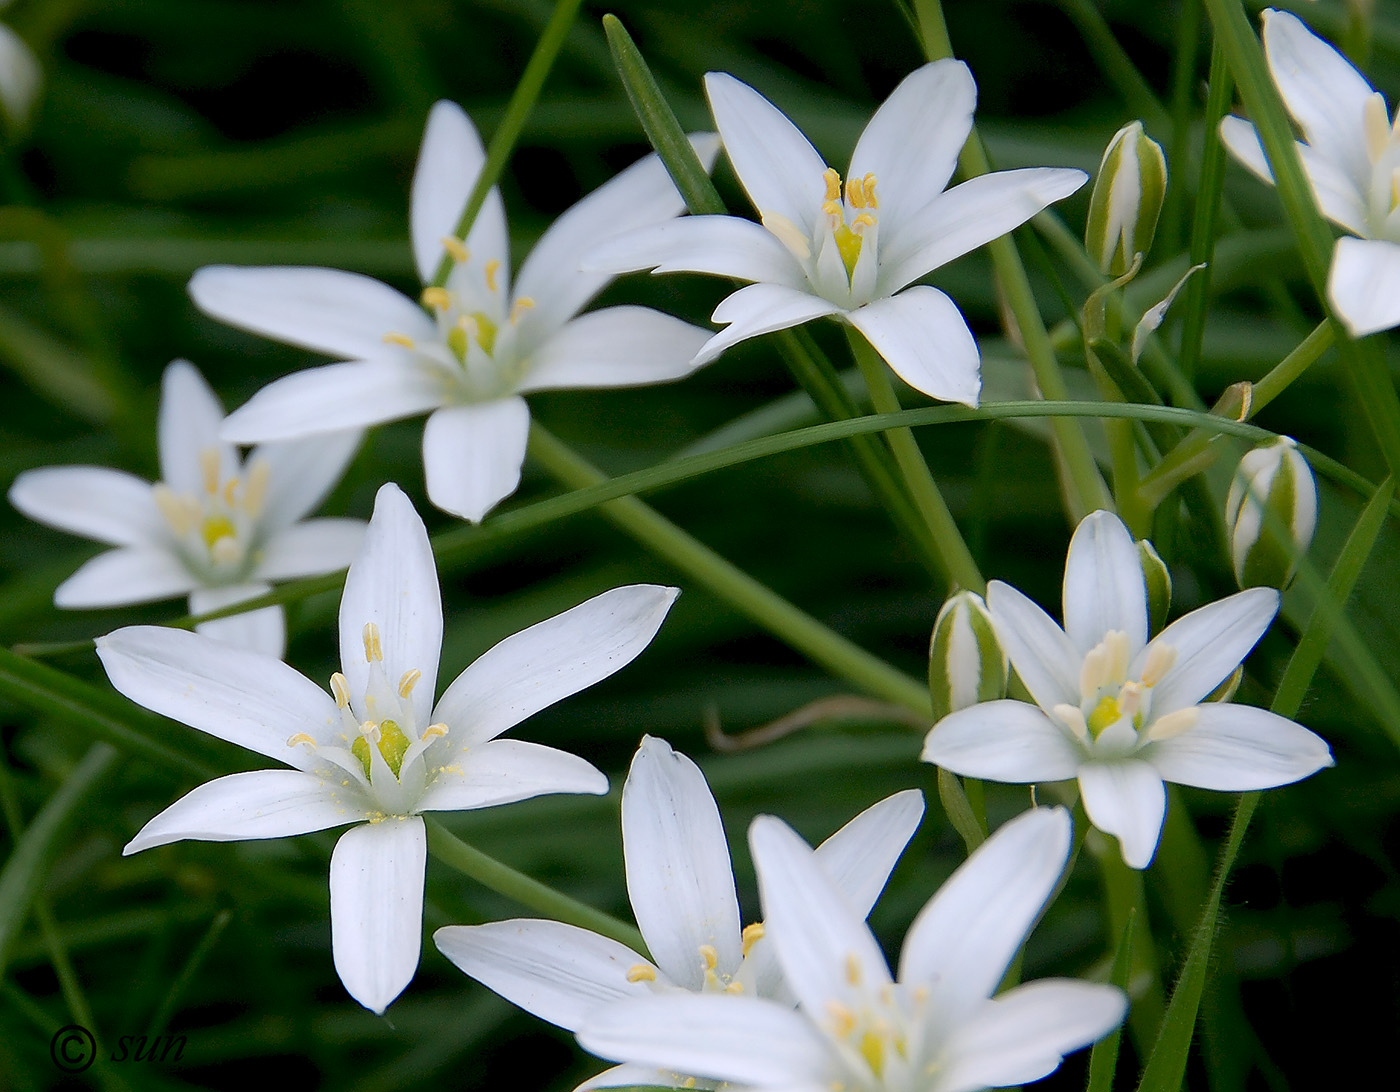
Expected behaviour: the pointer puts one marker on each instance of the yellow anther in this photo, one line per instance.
(341, 689)
(752, 935)
(209, 469)
(373, 650)
(1173, 724)
(861, 222)
(256, 490)
(230, 488)
(393, 337)
(523, 304)
(456, 248)
(437, 298)
(1160, 659)
(710, 956)
(689, 1082)
(492, 268)
(852, 969)
(173, 509)
(433, 731)
(843, 1020)
(832, 178)
(302, 737)
(871, 201)
(734, 987)
(642, 972)
(409, 681)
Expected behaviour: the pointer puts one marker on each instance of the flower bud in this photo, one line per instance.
(966, 664)
(1159, 585)
(1270, 514)
(1127, 199)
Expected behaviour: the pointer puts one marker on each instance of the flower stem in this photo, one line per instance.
(785, 621)
(1125, 898)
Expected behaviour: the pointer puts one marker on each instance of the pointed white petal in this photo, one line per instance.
(761, 309)
(502, 771)
(962, 219)
(1104, 587)
(861, 855)
(629, 1076)
(242, 806)
(1025, 1033)
(1128, 800)
(131, 574)
(725, 246)
(1363, 285)
(393, 584)
(110, 506)
(377, 875)
(301, 472)
(1043, 656)
(615, 347)
(249, 699)
(825, 948)
(311, 547)
(20, 76)
(559, 972)
(777, 165)
(263, 630)
(472, 455)
(1002, 740)
(551, 660)
(679, 879)
(1210, 642)
(1238, 748)
(449, 162)
(1241, 140)
(1337, 193)
(188, 426)
(555, 275)
(325, 310)
(964, 938)
(911, 145)
(922, 336)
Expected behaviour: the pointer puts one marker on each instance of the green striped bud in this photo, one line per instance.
(1270, 514)
(966, 663)
(1127, 199)
(1159, 585)
(1226, 690)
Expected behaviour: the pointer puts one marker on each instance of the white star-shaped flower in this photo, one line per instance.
(1120, 713)
(376, 751)
(480, 344)
(936, 1028)
(850, 251)
(215, 527)
(1351, 155)
(681, 886)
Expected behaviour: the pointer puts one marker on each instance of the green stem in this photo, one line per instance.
(758, 602)
(1182, 107)
(1125, 899)
(504, 880)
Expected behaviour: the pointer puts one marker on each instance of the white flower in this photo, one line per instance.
(681, 886)
(847, 252)
(215, 527)
(483, 346)
(1117, 712)
(376, 751)
(936, 1028)
(1352, 159)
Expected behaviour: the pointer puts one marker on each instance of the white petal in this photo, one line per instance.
(107, 505)
(243, 806)
(502, 771)
(449, 163)
(131, 574)
(911, 145)
(922, 336)
(962, 219)
(472, 455)
(1336, 192)
(777, 165)
(1238, 748)
(551, 660)
(861, 855)
(1002, 740)
(1128, 800)
(393, 584)
(301, 472)
(825, 948)
(20, 76)
(722, 1037)
(761, 309)
(1104, 587)
(679, 879)
(312, 547)
(962, 941)
(1363, 285)
(1025, 1033)
(629, 1076)
(615, 347)
(377, 908)
(263, 630)
(325, 310)
(559, 972)
(1210, 642)
(190, 416)
(246, 698)
(555, 275)
(1043, 656)
(725, 246)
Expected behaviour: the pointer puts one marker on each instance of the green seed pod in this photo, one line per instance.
(1159, 585)
(1271, 514)
(1127, 199)
(966, 663)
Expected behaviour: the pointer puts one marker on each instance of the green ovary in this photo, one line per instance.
(392, 744)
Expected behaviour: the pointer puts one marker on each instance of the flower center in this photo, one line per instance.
(850, 222)
(877, 1039)
(1115, 711)
(1383, 149)
(215, 528)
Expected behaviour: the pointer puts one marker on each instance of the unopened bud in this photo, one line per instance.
(966, 664)
(1159, 585)
(1270, 514)
(1127, 199)
(1226, 690)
